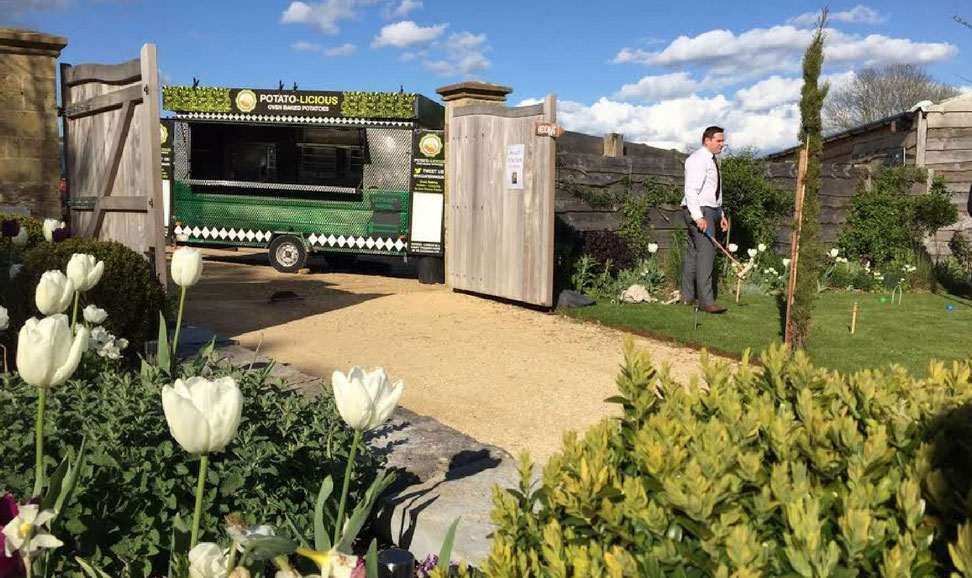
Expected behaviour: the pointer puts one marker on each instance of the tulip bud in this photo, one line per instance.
(47, 353)
(365, 400)
(652, 248)
(94, 314)
(207, 560)
(4, 318)
(54, 293)
(733, 247)
(10, 228)
(203, 415)
(50, 225)
(84, 271)
(21, 238)
(15, 270)
(187, 266)
(752, 252)
(761, 247)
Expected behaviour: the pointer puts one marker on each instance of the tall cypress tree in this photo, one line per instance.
(811, 128)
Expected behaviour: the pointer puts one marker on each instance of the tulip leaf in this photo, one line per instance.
(371, 560)
(322, 542)
(91, 570)
(207, 350)
(162, 347)
(297, 534)
(54, 484)
(445, 554)
(363, 510)
(179, 543)
(71, 479)
(268, 547)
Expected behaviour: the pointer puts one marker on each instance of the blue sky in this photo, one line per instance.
(644, 68)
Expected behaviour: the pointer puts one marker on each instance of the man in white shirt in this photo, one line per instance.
(701, 210)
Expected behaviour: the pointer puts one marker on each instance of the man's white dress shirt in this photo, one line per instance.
(701, 180)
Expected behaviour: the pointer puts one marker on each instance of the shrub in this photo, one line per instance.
(567, 246)
(138, 479)
(675, 257)
(755, 204)
(886, 222)
(783, 470)
(129, 291)
(35, 228)
(961, 249)
(603, 246)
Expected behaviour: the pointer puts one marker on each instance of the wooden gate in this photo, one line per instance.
(501, 201)
(113, 157)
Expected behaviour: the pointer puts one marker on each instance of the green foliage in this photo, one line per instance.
(129, 291)
(755, 204)
(961, 249)
(811, 135)
(584, 277)
(636, 208)
(35, 230)
(782, 469)
(950, 274)
(886, 222)
(675, 256)
(137, 478)
(199, 99)
(378, 105)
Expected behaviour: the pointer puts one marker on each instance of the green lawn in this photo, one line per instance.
(910, 334)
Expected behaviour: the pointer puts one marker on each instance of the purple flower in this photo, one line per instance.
(9, 567)
(61, 234)
(426, 567)
(10, 228)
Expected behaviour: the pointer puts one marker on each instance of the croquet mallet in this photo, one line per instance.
(743, 269)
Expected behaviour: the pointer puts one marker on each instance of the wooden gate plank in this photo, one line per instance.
(106, 178)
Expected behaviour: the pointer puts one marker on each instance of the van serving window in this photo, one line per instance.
(289, 158)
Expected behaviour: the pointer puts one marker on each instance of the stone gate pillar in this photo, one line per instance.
(30, 166)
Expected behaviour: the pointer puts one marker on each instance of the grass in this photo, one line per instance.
(910, 334)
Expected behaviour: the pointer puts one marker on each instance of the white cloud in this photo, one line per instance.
(779, 49)
(346, 49)
(661, 86)
(464, 53)
(400, 8)
(769, 93)
(859, 14)
(323, 15)
(407, 33)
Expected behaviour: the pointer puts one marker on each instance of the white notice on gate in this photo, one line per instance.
(514, 166)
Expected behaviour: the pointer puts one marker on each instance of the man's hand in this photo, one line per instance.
(724, 224)
(701, 224)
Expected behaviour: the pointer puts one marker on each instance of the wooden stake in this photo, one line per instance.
(738, 288)
(795, 242)
(854, 319)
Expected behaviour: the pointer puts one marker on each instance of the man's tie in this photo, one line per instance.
(718, 178)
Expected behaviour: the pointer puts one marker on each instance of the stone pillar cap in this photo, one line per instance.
(18, 40)
(475, 90)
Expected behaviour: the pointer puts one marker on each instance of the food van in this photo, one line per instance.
(303, 171)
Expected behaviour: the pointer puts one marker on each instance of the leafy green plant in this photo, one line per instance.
(585, 276)
(129, 291)
(755, 203)
(781, 469)
(608, 246)
(674, 257)
(137, 480)
(198, 99)
(961, 249)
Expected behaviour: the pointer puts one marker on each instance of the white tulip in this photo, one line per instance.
(652, 248)
(786, 262)
(733, 247)
(4, 318)
(25, 534)
(21, 238)
(84, 271)
(47, 353)
(365, 399)
(15, 270)
(207, 560)
(834, 252)
(187, 266)
(54, 293)
(51, 225)
(94, 314)
(752, 253)
(761, 247)
(203, 415)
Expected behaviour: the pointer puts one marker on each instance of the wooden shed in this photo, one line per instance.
(937, 137)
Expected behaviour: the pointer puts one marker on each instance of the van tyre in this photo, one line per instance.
(288, 254)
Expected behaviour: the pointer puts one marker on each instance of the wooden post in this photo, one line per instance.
(795, 242)
(738, 288)
(854, 319)
(614, 145)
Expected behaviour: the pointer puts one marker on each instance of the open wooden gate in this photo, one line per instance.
(501, 170)
(113, 157)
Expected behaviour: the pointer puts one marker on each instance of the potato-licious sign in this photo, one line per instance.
(285, 102)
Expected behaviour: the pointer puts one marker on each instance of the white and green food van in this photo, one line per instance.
(299, 172)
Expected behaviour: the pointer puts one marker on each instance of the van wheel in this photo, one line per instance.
(341, 260)
(288, 254)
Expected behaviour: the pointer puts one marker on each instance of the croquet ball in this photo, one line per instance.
(882, 299)
(950, 307)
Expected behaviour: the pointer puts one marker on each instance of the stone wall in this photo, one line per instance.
(29, 148)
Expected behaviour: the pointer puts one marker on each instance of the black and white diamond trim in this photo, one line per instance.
(290, 119)
(222, 234)
(350, 241)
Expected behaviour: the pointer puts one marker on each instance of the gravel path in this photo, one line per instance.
(506, 375)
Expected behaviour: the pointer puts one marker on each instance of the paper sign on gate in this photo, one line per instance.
(514, 166)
